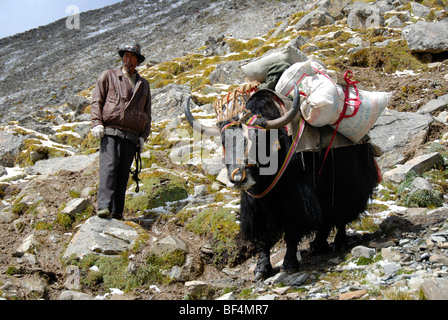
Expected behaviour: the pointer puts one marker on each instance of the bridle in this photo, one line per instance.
(250, 124)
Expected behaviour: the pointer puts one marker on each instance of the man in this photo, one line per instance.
(121, 117)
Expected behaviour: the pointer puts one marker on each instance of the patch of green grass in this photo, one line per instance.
(396, 56)
(157, 188)
(112, 271)
(221, 226)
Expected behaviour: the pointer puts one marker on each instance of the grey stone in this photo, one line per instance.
(3, 171)
(394, 22)
(361, 251)
(54, 165)
(420, 183)
(427, 36)
(10, 145)
(435, 289)
(74, 295)
(29, 245)
(435, 105)
(227, 73)
(194, 287)
(391, 254)
(200, 190)
(35, 287)
(168, 244)
(78, 103)
(267, 297)
(168, 102)
(440, 259)
(418, 165)
(227, 296)
(419, 10)
(75, 206)
(73, 280)
(101, 236)
(395, 129)
(315, 19)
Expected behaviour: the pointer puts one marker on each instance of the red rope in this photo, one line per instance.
(356, 103)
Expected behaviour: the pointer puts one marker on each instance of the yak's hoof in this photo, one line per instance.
(290, 270)
(321, 248)
(260, 276)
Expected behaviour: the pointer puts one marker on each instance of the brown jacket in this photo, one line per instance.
(115, 105)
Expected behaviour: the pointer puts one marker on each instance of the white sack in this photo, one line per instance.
(294, 73)
(372, 105)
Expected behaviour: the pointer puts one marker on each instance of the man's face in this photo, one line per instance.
(130, 62)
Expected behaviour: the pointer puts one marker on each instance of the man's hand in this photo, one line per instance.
(142, 143)
(98, 131)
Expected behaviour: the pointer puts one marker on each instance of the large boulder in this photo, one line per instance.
(315, 19)
(10, 145)
(102, 236)
(394, 132)
(427, 37)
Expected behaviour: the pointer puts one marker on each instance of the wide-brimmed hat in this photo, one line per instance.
(134, 48)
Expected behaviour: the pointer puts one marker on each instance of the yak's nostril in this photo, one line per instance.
(238, 176)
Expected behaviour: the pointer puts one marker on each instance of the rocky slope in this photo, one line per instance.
(180, 238)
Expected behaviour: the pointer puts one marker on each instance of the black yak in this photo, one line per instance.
(303, 199)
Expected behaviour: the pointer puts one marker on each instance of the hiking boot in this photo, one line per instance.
(117, 216)
(103, 213)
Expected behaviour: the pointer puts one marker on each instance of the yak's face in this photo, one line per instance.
(251, 141)
(249, 152)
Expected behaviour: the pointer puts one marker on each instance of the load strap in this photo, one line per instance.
(356, 103)
(285, 162)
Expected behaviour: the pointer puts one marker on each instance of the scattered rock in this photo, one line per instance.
(418, 165)
(227, 296)
(76, 206)
(435, 105)
(361, 251)
(352, 295)
(29, 245)
(101, 236)
(168, 244)
(74, 295)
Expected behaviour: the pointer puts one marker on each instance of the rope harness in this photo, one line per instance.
(356, 103)
(138, 168)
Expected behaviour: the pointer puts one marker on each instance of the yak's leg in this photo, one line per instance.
(340, 238)
(263, 270)
(320, 243)
(290, 262)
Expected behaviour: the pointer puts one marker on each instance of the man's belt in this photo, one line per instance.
(122, 134)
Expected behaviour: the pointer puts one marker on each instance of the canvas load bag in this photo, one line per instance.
(258, 69)
(233, 102)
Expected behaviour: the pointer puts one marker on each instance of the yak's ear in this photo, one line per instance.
(222, 124)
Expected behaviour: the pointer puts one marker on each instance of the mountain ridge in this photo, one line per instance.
(51, 63)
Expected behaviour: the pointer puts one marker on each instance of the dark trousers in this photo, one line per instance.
(116, 156)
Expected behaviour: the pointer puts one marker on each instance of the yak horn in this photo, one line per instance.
(196, 125)
(287, 117)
